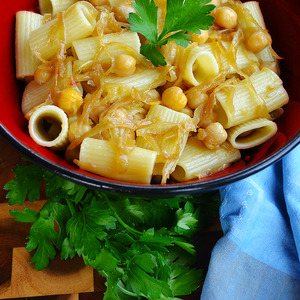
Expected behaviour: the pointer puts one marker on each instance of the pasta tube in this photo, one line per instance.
(228, 60)
(26, 62)
(171, 136)
(169, 118)
(48, 127)
(35, 94)
(200, 65)
(253, 7)
(198, 161)
(87, 48)
(269, 87)
(99, 157)
(54, 6)
(79, 22)
(237, 103)
(251, 133)
(144, 80)
(251, 99)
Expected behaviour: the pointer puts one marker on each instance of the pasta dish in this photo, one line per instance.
(92, 95)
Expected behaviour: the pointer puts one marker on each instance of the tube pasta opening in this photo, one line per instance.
(201, 64)
(252, 133)
(48, 127)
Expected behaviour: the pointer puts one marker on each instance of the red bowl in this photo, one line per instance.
(282, 20)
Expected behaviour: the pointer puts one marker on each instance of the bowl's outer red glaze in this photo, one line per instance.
(282, 20)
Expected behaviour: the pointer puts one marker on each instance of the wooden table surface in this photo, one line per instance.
(69, 279)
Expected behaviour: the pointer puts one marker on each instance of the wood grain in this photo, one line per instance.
(60, 277)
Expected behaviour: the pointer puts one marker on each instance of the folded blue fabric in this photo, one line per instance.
(259, 255)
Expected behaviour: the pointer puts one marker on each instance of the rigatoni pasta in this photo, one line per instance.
(78, 22)
(34, 95)
(85, 49)
(98, 156)
(48, 127)
(252, 133)
(54, 6)
(113, 113)
(26, 61)
(197, 161)
(200, 65)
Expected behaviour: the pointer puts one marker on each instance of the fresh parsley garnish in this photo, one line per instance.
(182, 16)
(141, 245)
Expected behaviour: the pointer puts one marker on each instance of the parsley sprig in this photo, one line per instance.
(140, 245)
(182, 16)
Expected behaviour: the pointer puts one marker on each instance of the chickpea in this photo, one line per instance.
(258, 40)
(76, 130)
(121, 113)
(213, 135)
(69, 100)
(196, 98)
(225, 17)
(199, 38)
(174, 98)
(124, 65)
(122, 11)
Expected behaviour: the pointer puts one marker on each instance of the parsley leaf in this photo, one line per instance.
(182, 16)
(28, 216)
(187, 15)
(187, 220)
(145, 22)
(152, 53)
(67, 249)
(27, 183)
(144, 284)
(139, 244)
(184, 280)
(42, 238)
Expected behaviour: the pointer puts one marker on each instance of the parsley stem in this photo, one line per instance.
(126, 291)
(71, 207)
(127, 227)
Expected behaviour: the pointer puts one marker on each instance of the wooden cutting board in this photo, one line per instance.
(69, 279)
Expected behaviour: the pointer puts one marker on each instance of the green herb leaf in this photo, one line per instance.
(28, 216)
(144, 284)
(139, 244)
(67, 249)
(184, 281)
(42, 238)
(187, 15)
(145, 21)
(182, 16)
(26, 183)
(88, 228)
(152, 53)
(187, 220)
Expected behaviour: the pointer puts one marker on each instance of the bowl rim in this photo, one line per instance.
(161, 190)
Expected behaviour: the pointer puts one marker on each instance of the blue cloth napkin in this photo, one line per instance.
(259, 255)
